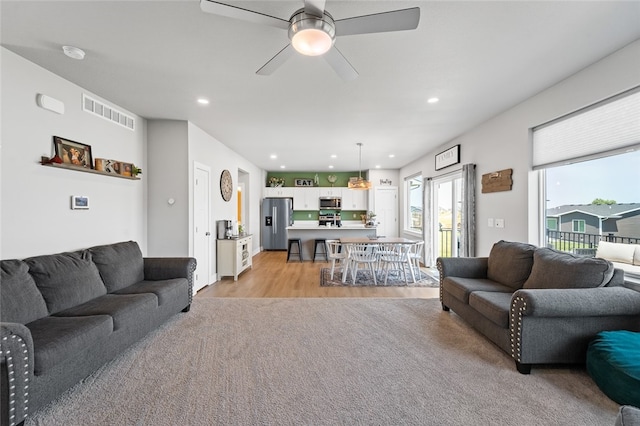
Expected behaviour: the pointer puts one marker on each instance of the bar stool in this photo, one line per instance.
(322, 242)
(298, 242)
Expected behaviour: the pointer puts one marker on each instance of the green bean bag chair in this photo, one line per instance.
(613, 361)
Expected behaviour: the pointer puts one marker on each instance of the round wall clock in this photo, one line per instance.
(226, 185)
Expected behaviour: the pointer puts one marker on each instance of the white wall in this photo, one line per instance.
(168, 176)
(36, 217)
(504, 142)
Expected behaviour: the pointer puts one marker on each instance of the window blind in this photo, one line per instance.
(608, 126)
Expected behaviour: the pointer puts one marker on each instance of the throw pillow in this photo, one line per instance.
(510, 263)
(20, 299)
(120, 264)
(66, 279)
(556, 269)
(616, 252)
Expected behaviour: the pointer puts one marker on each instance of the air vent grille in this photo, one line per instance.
(108, 113)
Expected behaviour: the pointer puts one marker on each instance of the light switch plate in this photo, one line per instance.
(490, 222)
(499, 223)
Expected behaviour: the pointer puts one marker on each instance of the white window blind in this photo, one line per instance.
(607, 126)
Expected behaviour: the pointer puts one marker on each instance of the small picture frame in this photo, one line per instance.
(79, 202)
(73, 153)
(125, 169)
(448, 158)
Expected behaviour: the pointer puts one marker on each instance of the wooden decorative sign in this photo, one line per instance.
(497, 181)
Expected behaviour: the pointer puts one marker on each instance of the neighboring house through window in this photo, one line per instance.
(414, 210)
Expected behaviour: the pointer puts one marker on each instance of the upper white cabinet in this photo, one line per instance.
(306, 198)
(353, 199)
(278, 191)
(330, 192)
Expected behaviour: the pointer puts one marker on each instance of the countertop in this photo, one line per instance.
(316, 227)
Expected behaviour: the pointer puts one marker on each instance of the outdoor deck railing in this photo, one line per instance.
(570, 241)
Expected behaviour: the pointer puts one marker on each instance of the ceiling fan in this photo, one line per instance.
(312, 30)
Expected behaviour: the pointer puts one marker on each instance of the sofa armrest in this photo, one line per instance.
(583, 302)
(463, 267)
(16, 371)
(165, 268)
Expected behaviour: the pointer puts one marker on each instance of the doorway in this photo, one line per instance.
(386, 209)
(201, 225)
(447, 209)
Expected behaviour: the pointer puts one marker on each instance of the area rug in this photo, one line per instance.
(324, 361)
(365, 279)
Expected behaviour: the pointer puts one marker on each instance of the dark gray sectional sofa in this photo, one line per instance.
(539, 305)
(64, 315)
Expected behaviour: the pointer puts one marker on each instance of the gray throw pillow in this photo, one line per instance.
(120, 264)
(510, 263)
(20, 299)
(556, 269)
(66, 279)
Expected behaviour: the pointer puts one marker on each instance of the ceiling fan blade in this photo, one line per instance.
(314, 7)
(340, 65)
(395, 20)
(274, 63)
(235, 12)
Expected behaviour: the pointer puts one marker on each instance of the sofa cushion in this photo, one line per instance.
(126, 309)
(66, 279)
(556, 269)
(20, 299)
(636, 255)
(492, 305)
(56, 339)
(461, 288)
(165, 290)
(120, 264)
(510, 263)
(616, 252)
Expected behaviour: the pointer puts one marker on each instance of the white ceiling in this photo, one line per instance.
(155, 58)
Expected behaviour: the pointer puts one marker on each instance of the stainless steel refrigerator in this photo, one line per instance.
(277, 214)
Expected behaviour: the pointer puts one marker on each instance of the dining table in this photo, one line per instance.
(374, 242)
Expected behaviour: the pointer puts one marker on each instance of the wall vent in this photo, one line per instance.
(108, 113)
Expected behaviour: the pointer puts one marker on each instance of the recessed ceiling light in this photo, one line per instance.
(203, 101)
(273, 156)
(377, 166)
(433, 100)
(391, 155)
(73, 52)
(331, 167)
(282, 167)
(333, 156)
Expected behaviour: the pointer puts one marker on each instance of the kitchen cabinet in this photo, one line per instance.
(330, 192)
(234, 256)
(306, 198)
(278, 192)
(353, 199)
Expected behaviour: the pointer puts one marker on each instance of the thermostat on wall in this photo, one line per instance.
(79, 202)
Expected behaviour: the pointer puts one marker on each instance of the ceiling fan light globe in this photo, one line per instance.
(312, 42)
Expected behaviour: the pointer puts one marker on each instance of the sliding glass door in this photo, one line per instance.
(447, 210)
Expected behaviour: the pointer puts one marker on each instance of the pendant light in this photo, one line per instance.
(359, 183)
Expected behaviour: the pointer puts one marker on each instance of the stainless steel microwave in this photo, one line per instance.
(330, 203)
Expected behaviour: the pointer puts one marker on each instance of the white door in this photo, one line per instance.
(447, 209)
(386, 209)
(201, 226)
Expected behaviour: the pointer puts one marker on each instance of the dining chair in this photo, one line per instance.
(415, 254)
(360, 254)
(335, 254)
(398, 260)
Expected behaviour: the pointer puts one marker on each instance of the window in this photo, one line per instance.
(578, 225)
(414, 218)
(552, 223)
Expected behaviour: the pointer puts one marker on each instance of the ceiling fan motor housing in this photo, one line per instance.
(311, 35)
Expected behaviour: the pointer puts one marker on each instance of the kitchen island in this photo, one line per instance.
(308, 233)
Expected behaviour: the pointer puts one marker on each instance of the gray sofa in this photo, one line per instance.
(539, 305)
(64, 315)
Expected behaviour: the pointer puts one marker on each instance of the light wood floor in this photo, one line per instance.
(272, 276)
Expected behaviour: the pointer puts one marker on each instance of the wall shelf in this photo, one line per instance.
(82, 169)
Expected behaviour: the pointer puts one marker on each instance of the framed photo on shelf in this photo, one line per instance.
(73, 153)
(125, 169)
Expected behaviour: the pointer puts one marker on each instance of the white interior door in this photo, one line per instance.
(202, 224)
(386, 209)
